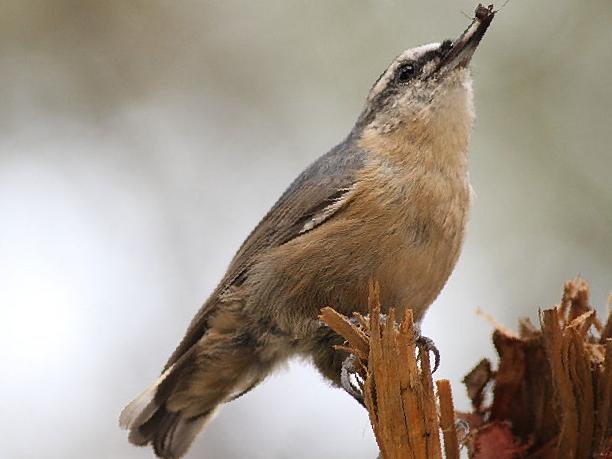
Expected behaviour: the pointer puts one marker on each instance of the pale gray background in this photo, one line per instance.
(140, 141)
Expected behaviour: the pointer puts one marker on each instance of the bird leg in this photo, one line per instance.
(422, 342)
(427, 344)
(352, 382)
(349, 372)
(351, 388)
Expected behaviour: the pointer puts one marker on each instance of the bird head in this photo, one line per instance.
(426, 91)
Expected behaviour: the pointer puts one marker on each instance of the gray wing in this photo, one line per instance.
(306, 204)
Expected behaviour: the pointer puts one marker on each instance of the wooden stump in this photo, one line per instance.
(551, 392)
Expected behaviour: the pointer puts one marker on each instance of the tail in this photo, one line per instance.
(220, 367)
(150, 422)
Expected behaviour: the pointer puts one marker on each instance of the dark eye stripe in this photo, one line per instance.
(418, 64)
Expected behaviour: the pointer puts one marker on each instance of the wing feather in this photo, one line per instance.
(313, 198)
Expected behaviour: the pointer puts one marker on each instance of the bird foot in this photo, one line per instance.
(427, 344)
(463, 430)
(347, 374)
(350, 379)
(423, 342)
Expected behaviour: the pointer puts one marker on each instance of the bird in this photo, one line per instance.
(390, 203)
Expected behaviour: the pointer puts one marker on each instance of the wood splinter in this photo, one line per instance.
(551, 390)
(397, 385)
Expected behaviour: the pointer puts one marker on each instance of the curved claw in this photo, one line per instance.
(428, 345)
(348, 368)
(463, 429)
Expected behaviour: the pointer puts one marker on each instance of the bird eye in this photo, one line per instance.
(406, 72)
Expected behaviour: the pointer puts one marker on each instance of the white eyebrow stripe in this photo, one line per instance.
(415, 53)
(409, 54)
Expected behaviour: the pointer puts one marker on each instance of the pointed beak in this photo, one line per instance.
(462, 49)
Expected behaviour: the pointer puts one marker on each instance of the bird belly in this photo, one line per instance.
(410, 253)
(428, 243)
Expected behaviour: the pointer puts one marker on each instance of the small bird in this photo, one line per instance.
(389, 203)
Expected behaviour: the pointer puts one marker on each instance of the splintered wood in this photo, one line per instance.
(550, 396)
(397, 391)
(552, 388)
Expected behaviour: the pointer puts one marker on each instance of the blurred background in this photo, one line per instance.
(141, 141)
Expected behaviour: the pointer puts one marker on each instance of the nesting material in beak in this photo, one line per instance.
(462, 49)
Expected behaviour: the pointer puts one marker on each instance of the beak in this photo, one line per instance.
(462, 49)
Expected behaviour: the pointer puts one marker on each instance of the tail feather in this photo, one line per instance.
(176, 433)
(173, 410)
(139, 410)
(149, 421)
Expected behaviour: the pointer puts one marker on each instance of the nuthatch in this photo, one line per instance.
(389, 203)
